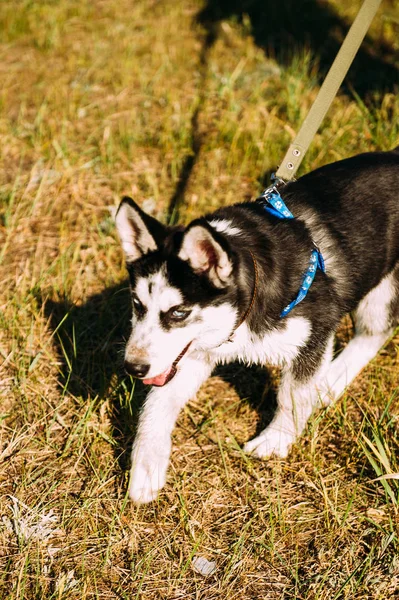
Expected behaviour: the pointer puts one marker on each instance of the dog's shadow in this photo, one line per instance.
(253, 385)
(288, 28)
(90, 340)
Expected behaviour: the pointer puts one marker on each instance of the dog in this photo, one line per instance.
(216, 291)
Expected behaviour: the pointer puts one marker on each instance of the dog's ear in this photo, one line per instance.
(206, 252)
(139, 233)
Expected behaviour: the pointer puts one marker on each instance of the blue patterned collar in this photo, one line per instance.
(275, 205)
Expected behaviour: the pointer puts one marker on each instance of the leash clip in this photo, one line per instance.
(277, 181)
(273, 189)
(274, 204)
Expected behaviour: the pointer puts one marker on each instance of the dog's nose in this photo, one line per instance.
(136, 369)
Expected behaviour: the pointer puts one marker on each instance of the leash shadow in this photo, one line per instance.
(190, 161)
(284, 29)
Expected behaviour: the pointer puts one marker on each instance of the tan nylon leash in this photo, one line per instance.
(328, 90)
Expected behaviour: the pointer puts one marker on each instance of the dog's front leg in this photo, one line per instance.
(152, 445)
(298, 395)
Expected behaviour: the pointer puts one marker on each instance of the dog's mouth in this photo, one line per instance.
(169, 373)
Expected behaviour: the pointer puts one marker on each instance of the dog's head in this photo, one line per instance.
(184, 291)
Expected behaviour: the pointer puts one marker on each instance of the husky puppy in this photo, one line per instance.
(214, 292)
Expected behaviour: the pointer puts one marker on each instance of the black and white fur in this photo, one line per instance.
(192, 286)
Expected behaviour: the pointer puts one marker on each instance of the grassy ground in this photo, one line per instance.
(186, 106)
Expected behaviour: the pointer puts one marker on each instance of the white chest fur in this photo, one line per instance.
(278, 347)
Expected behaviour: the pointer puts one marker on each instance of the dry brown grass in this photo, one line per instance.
(102, 98)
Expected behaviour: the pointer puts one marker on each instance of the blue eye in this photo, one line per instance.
(179, 314)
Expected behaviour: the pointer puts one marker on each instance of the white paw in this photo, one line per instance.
(147, 477)
(271, 441)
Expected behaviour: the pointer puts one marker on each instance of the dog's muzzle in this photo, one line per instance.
(169, 373)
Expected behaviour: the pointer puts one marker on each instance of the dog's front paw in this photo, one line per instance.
(147, 477)
(270, 442)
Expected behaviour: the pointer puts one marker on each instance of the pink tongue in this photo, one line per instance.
(159, 380)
